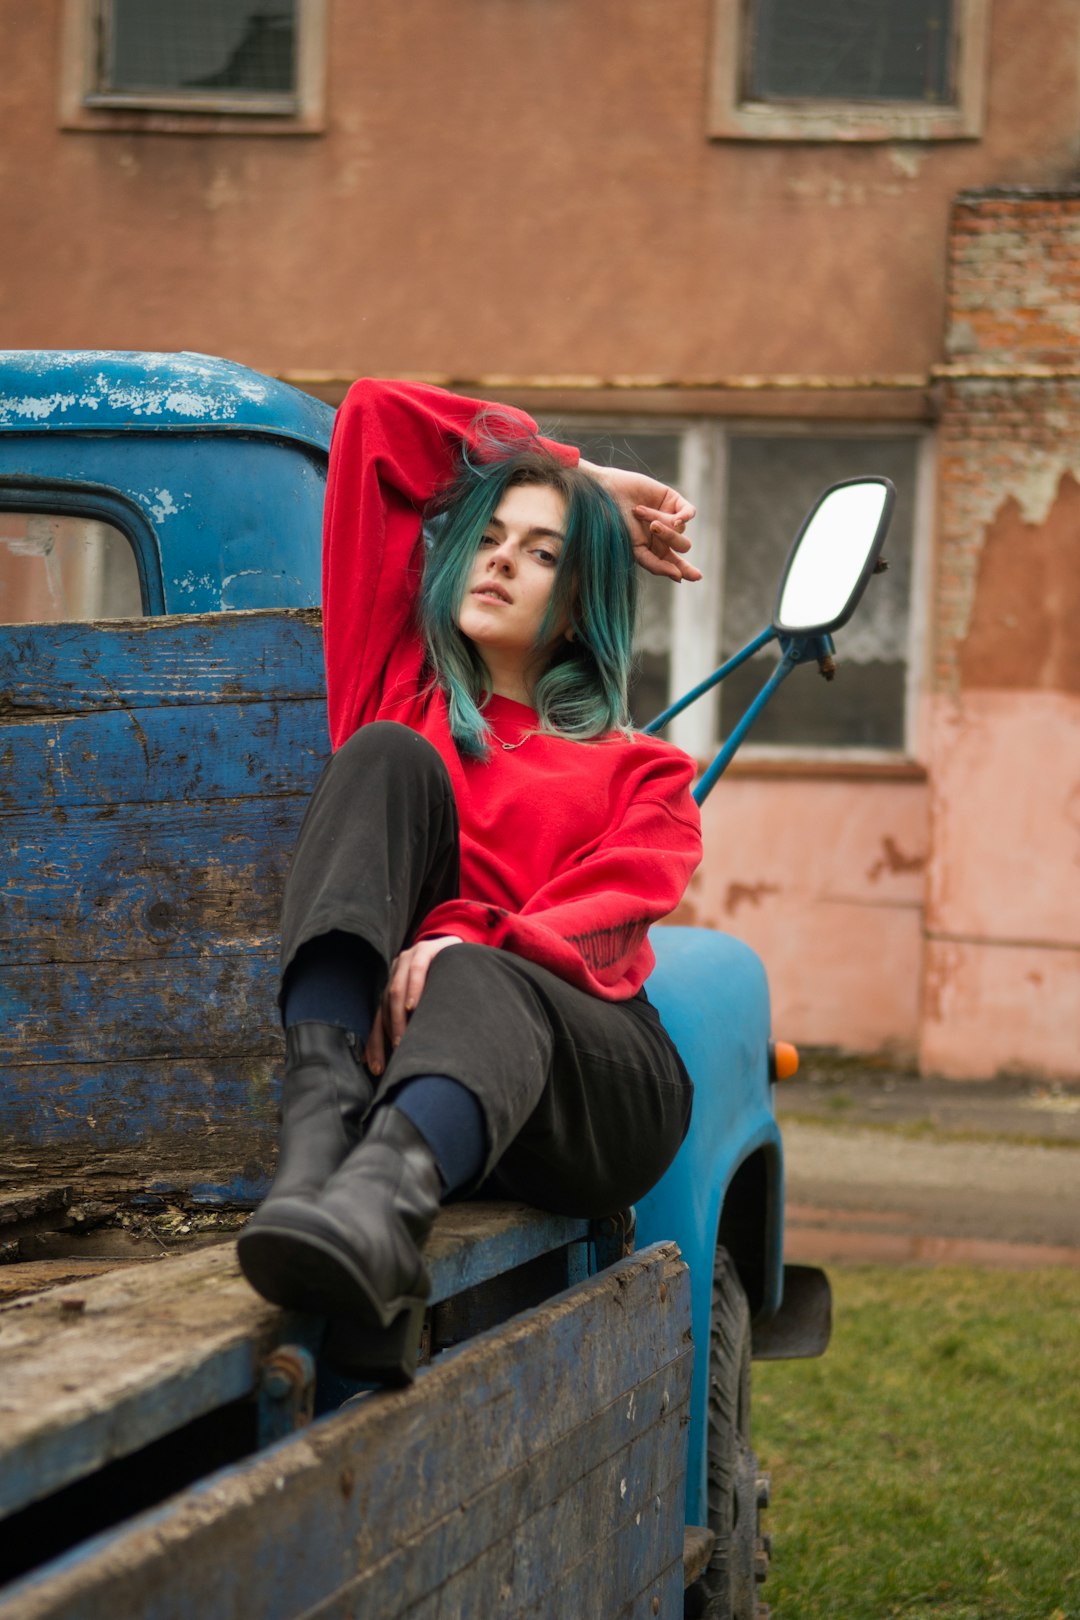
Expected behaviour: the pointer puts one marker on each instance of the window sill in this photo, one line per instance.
(791, 769)
(169, 121)
(842, 122)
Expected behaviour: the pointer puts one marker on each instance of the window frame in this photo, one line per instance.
(83, 106)
(733, 117)
(103, 506)
(697, 613)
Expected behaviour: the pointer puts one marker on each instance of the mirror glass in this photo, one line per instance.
(829, 564)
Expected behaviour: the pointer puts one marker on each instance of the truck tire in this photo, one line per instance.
(728, 1590)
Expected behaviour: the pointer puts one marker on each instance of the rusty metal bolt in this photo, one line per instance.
(656, 1605)
(288, 1371)
(663, 1292)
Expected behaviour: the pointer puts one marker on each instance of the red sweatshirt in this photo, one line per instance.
(569, 850)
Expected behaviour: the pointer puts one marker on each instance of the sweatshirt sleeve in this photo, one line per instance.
(589, 924)
(394, 445)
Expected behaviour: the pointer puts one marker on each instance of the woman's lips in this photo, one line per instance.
(490, 593)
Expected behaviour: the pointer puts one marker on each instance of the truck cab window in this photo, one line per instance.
(56, 568)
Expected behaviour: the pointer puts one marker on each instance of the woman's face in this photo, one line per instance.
(513, 575)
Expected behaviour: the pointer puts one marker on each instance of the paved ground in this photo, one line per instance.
(881, 1166)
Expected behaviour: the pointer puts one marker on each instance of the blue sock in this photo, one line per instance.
(451, 1121)
(332, 980)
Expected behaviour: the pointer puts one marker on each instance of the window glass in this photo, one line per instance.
(61, 568)
(657, 454)
(228, 46)
(772, 483)
(851, 50)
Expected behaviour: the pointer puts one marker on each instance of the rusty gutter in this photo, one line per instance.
(586, 382)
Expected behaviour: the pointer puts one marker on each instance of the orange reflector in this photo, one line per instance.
(783, 1060)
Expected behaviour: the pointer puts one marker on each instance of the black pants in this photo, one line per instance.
(585, 1101)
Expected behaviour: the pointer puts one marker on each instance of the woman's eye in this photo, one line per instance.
(546, 556)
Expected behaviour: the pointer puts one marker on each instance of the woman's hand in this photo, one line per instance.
(405, 986)
(656, 516)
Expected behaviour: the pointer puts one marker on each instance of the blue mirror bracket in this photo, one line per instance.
(794, 650)
(712, 680)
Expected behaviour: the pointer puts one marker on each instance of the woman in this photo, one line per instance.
(464, 930)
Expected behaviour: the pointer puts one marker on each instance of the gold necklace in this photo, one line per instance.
(509, 747)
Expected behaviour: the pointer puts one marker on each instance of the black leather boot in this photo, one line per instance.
(324, 1096)
(353, 1254)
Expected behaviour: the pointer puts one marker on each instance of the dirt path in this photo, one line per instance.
(912, 1171)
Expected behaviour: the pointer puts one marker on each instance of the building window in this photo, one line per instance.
(857, 70)
(56, 568)
(752, 489)
(194, 65)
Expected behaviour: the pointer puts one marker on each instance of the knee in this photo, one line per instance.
(465, 962)
(477, 976)
(388, 746)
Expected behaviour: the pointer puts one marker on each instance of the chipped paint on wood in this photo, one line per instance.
(180, 660)
(148, 833)
(152, 1349)
(115, 758)
(147, 881)
(517, 1474)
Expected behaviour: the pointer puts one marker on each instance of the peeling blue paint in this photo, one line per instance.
(50, 389)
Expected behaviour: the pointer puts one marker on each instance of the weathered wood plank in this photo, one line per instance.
(181, 1115)
(180, 1007)
(151, 1348)
(275, 1537)
(51, 668)
(474, 1242)
(27, 1277)
(169, 1340)
(586, 1507)
(116, 757)
(157, 878)
(698, 1544)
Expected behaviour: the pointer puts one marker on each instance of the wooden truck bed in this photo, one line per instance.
(152, 777)
(537, 1469)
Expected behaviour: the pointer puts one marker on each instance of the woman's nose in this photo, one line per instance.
(502, 559)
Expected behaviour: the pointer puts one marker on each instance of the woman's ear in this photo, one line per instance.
(568, 633)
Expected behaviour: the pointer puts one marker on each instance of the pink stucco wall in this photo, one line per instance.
(1002, 967)
(825, 879)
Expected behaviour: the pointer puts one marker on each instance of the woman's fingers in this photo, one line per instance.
(396, 992)
(670, 566)
(665, 542)
(408, 976)
(669, 524)
(375, 1047)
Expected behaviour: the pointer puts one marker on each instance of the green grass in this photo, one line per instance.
(929, 1463)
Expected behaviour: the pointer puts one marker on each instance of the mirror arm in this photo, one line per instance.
(795, 653)
(712, 680)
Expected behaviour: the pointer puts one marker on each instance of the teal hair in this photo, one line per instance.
(582, 692)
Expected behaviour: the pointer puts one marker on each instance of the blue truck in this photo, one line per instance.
(577, 1439)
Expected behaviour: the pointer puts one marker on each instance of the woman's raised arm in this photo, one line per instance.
(395, 444)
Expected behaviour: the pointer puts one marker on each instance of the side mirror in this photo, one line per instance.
(833, 556)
